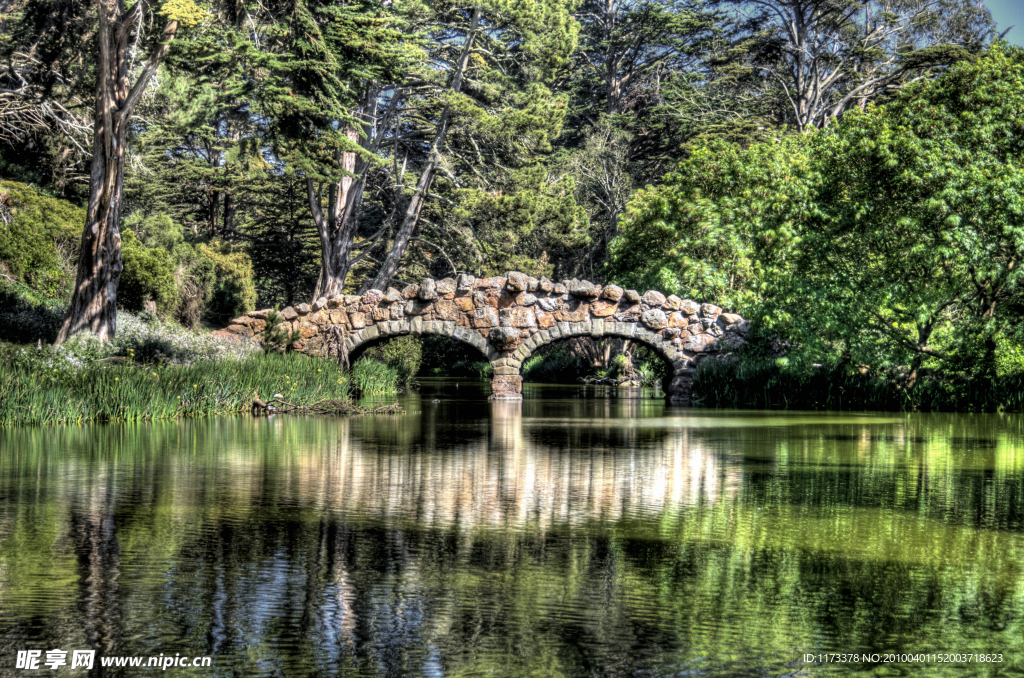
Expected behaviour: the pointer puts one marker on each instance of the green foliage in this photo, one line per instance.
(555, 364)
(26, 316)
(148, 274)
(40, 246)
(279, 336)
(444, 357)
(889, 241)
(719, 227)
(373, 378)
(234, 292)
(403, 354)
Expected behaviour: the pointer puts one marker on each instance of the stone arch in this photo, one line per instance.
(418, 327)
(680, 365)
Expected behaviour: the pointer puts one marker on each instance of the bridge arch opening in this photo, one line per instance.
(661, 351)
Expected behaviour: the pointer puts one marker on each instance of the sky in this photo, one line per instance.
(1008, 13)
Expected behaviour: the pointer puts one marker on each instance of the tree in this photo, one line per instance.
(93, 301)
(720, 228)
(497, 58)
(892, 240)
(828, 56)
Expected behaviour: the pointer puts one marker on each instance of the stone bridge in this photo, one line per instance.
(509, 317)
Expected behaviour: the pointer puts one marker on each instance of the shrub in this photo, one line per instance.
(26, 315)
(234, 293)
(404, 354)
(40, 245)
(148, 273)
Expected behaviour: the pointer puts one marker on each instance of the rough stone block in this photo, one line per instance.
(337, 316)
(710, 310)
(602, 308)
(584, 289)
(289, 314)
(673, 303)
(506, 386)
(351, 299)
(632, 296)
(464, 304)
(240, 330)
(320, 304)
(727, 319)
(503, 338)
(446, 286)
(598, 330)
(398, 311)
(446, 310)
(654, 318)
(699, 343)
(379, 314)
(393, 296)
(303, 309)
(517, 316)
(428, 290)
(369, 333)
(504, 369)
(558, 288)
(485, 317)
(516, 281)
(358, 320)
(545, 285)
(372, 297)
(653, 298)
(465, 282)
(689, 307)
(532, 284)
(410, 291)
(526, 299)
(418, 307)
(336, 302)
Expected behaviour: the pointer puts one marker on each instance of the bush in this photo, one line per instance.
(234, 292)
(27, 316)
(40, 245)
(148, 273)
(403, 354)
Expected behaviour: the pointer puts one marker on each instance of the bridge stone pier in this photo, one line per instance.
(509, 317)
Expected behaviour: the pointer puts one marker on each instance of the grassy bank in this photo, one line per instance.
(105, 391)
(770, 384)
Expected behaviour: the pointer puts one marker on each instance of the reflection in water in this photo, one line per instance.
(575, 537)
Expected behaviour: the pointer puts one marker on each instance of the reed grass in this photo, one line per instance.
(105, 392)
(373, 378)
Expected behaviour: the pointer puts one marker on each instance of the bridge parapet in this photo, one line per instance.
(509, 317)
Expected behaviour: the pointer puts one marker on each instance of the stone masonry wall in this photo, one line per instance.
(508, 317)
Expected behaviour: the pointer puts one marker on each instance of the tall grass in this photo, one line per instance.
(102, 392)
(372, 378)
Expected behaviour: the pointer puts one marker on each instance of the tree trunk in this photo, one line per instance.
(412, 213)
(335, 228)
(93, 305)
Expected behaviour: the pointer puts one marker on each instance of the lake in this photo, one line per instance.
(581, 532)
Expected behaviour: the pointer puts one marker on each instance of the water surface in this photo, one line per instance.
(563, 536)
